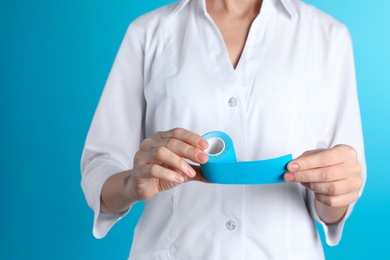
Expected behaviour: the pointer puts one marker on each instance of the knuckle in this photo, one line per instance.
(177, 131)
(333, 189)
(327, 175)
(181, 163)
(190, 151)
(160, 152)
(146, 142)
(310, 186)
(153, 168)
(150, 171)
(172, 142)
(138, 157)
(165, 173)
(177, 164)
(300, 177)
(328, 201)
(325, 158)
(348, 150)
(158, 172)
(321, 198)
(352, 151)
(157, 135)
(331, 201)
(359, 183)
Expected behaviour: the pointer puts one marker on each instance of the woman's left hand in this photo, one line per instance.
(332, 174)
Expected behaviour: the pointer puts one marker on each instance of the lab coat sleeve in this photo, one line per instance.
(116, 130)
(342, 124)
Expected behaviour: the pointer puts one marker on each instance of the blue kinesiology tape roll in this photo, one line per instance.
(223, 167)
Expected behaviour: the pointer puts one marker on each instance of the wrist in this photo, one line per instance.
(330, 215)
(128, 190)
(115, 195)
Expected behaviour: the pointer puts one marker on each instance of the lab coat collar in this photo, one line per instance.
(289, 5)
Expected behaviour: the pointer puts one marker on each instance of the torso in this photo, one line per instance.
(280, 88)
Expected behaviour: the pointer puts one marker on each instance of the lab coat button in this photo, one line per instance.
(231, 225)
(233, 102)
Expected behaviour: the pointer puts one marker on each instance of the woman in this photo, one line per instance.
(278, 77)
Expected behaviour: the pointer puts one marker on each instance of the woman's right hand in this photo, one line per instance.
(159, 165)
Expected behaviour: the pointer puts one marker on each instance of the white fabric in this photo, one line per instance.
(295, 90)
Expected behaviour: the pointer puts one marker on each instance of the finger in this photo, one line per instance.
(178, 147)
(182, 142)
(325, 174)
(186, 137)
(199, 175)
(159, 172)
(335, 188)
(164, 155)
(187, 151)
(143, 157)
(322, 158)
(337, 201)
(147, 143)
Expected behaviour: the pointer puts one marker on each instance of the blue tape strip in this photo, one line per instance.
(223, 168)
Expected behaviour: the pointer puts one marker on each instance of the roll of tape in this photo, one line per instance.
(223, 168)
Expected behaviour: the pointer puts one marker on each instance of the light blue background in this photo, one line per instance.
(54, 59)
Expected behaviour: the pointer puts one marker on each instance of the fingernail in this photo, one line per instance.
(294, 166)
(179, 178)
(191, 171)
(201, 157)
(289, 177)
(203, 143)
